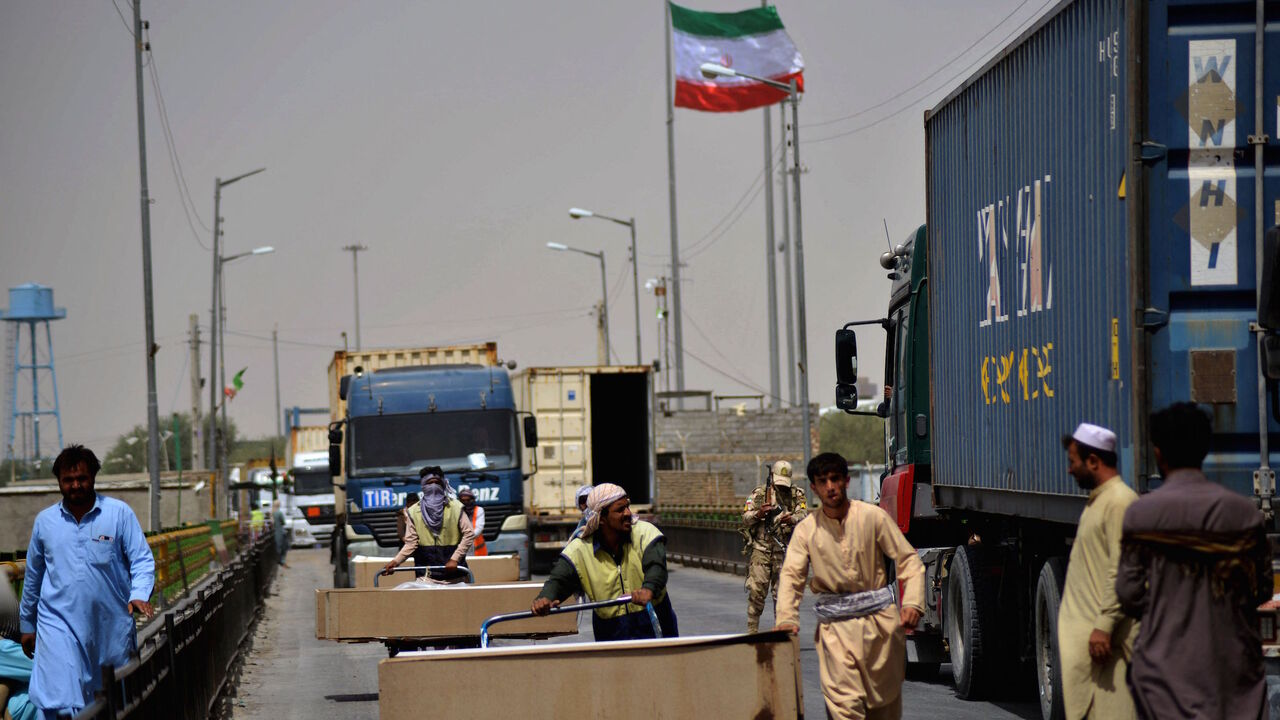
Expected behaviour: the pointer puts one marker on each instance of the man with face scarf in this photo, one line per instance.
(438, 532)
(616, 555)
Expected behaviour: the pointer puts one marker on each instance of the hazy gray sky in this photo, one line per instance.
(451, 138)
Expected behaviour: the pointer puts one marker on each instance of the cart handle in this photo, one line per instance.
(471, 578)
(574, 608)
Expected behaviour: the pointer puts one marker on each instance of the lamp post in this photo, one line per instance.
(212, 442)
(355, 271)
(712, 70)
(604, 290)
(577, 213)
(222, 353)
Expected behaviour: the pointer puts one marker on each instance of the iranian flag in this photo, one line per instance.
(752, 41)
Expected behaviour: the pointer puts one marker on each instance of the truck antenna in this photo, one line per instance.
(886, 233)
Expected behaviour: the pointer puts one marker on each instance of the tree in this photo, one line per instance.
(129, 453)
(859, 438)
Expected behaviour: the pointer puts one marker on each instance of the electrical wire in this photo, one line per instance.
(175, 161)
(963, 71)
(127, 27)
(924, 79)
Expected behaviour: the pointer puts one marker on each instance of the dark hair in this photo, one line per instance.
(72, 456)
(410, 499)
(827, 462)
(430, 470)
(1106, 457)
(1181, 432)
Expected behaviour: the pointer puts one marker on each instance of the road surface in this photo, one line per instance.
(290, 675)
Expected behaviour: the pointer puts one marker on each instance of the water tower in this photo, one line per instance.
(31, 307)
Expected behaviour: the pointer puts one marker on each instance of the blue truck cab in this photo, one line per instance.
(399, 420)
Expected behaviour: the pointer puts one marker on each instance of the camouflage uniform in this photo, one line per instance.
(765, 554)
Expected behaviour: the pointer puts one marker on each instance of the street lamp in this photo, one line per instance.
(712, 70)
(211, 442)
(222, 351)
(604, 290)
(579, 213)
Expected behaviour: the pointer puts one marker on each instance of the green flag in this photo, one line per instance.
(237, 382)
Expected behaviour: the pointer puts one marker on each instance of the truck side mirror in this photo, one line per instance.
(846, 369)
(1269, 292)
(530, 431)
(335, 447)
(343, 385)
(846, 357)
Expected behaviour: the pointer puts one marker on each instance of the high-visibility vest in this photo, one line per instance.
(602, 578)
(478, 549)
(449, 535)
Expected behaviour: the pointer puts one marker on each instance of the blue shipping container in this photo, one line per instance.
(1093, 224)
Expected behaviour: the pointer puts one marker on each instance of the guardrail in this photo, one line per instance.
(704, 536)
(185, 659)
(184, 557)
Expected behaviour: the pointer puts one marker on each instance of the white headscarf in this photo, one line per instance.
(601, 497)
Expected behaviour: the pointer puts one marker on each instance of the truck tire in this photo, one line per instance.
(1048, 663)
(338, 555)
(971, 626)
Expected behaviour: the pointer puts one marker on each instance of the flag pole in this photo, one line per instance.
(671, 189)
(770, 260)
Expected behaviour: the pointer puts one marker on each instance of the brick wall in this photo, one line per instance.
(676, 487)
(742, 445)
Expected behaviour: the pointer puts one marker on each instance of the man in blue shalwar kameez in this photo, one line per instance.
(88, 570)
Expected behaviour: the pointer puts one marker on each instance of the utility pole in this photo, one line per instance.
(770, 264)
(602, 335)
(196, 417)
(671, 191)
(275, 356)
(786, 269)
(355, 269)
(153, 416)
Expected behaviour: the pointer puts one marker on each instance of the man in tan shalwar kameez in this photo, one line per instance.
(1095, 638)
(860, 637)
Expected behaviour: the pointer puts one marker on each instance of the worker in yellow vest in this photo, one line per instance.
(438, 532)
(475, 514)
(616, 555)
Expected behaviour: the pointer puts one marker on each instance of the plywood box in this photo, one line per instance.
(454, 611)
(731, 676)
(366, 568)
(490, 569)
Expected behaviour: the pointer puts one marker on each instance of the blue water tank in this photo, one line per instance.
(32, 302)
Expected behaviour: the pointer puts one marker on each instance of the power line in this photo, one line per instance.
(127, 27)
(696, 245)
(924, 79)
(1022, 27)
(175, 161)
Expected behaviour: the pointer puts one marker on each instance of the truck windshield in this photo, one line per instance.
(312, 481)
(404, 444)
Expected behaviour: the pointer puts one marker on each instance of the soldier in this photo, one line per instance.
(771, 514)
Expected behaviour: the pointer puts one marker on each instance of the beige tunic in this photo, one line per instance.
(1089, 603)
(861, 660)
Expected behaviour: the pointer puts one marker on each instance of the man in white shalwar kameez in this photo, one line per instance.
(861, 632)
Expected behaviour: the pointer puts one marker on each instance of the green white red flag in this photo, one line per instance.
(237, 382)
(751, 41)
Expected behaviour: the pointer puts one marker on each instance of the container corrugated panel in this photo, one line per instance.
(1028, 268)
(1202, 226)
(345, 361)
(562, 400)
(307, 438)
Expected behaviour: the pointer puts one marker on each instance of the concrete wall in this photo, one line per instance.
(21, 502)
(741, 444)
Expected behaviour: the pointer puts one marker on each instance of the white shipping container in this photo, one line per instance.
(595, 424)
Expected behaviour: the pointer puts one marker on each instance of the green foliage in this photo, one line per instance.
(245, 450)
(19, 470)
(129, 453)
(858, 438)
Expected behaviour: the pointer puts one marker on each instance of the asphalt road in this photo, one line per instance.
(289, 674)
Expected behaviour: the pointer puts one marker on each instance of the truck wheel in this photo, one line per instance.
(971, 625)
(1048, 665)
(339, 558)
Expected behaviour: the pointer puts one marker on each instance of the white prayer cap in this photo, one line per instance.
(1095, 436)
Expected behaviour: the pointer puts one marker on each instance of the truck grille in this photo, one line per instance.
(493, 517)
(381, 524)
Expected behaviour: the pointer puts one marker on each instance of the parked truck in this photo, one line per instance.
(1096, 247)
(594, 424)
(309, 492)
(395, 411)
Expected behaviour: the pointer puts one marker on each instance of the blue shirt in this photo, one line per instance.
(80, 578)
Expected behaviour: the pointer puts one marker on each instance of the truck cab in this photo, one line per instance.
(310, 499)
(398, 420)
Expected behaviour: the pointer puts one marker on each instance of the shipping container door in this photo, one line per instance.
(1028, 264)
(1202, 229)
(559, 403)
(620, 431)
